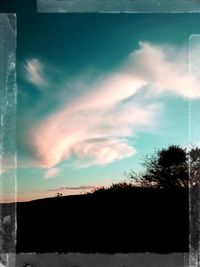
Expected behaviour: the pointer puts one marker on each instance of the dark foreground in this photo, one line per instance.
(134, 220)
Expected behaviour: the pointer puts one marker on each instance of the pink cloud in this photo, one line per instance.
(95, 127)
(81, 132)
(101, 152)
(91, 116)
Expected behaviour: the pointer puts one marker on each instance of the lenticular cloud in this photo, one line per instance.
(96, 126)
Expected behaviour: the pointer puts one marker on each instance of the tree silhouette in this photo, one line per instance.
(166, 168)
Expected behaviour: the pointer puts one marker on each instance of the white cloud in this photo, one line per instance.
(165, 69)
(50, 173)
(96, 126)
(35, 73)
(101, 152)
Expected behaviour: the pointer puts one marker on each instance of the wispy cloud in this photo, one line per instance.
(165, 69)
(62, 188)
(95, 136)
(35, 73)
(96, 126)
(1, 171)
(7, 165)
(50, 173)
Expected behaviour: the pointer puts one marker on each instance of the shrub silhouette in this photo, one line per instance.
(115, 187)
(59, 195)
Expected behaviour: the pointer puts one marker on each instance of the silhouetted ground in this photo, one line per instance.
(129, 220)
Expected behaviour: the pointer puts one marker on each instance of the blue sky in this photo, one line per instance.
(96, 93)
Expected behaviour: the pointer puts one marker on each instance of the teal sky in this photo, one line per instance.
(79, 123)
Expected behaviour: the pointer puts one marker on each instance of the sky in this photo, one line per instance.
(96, 93)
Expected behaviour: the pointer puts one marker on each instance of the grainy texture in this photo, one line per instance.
(142, 6)
(8, 92)
(194, 192)
(61, 260)
(100, 260)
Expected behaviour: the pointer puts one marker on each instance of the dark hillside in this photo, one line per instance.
(131, 220)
